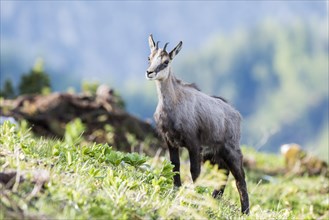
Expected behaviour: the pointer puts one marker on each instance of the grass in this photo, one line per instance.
(93, 181)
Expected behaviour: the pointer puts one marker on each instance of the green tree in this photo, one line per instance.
(37, 81)
(8, 90)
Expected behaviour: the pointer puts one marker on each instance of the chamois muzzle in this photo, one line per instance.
(150, 74)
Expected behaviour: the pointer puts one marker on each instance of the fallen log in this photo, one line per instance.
(105, 120)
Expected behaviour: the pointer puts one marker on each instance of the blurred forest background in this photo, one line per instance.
(268, 58)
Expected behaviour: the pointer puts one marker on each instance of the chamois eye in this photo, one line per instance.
(149, 59)
(166, 62)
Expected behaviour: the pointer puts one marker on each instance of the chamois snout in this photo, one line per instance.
(150, 74)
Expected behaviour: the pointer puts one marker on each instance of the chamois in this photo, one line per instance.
(206, 125)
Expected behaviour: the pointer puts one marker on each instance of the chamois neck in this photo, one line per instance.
(167, 89)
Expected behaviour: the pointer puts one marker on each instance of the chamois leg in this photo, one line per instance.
(216, 159)
(174, 158)
(221, 166)
(195, 162)
(233, 159)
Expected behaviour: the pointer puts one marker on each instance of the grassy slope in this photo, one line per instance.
(94, 181)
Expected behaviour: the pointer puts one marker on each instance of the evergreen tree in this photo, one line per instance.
(8, 89)
(36, 81)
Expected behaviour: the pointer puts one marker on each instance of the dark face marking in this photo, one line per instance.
(164, 60)
(162, 66)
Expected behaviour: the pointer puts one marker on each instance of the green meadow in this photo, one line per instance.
(74, 179)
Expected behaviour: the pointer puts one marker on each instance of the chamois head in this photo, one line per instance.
(160, 60)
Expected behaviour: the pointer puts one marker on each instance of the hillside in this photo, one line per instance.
(268, 58)
(73, 179)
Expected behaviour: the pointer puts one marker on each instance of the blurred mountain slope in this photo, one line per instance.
(107, 40)
(270, 59)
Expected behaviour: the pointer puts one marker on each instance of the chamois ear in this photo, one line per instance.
(151, 43)
(176, 50)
